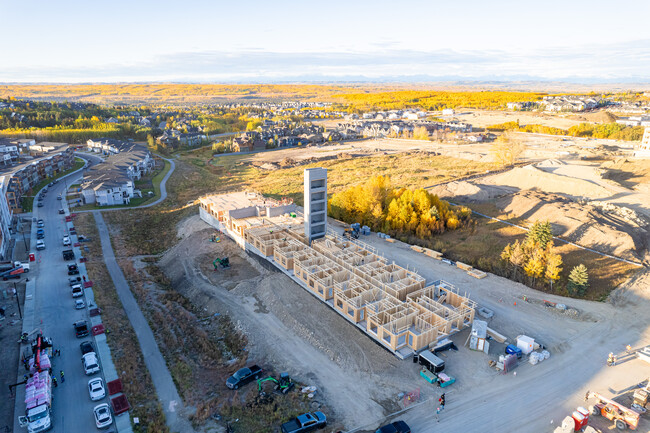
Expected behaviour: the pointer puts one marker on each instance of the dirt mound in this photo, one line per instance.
(470, 192)
(532, 178)
(597, 117)
(550, 163)
(583, 224)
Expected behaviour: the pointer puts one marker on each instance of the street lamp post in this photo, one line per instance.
(18, 301)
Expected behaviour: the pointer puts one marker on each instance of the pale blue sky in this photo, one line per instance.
(218, 41)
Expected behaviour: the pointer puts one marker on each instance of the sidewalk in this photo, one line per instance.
(162, 380)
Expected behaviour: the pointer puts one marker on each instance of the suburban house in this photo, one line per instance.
(106, 186)
(112, 182)
(248, 141)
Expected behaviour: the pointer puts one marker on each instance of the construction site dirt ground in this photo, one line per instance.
(359, 382)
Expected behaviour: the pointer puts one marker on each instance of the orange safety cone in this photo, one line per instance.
(515, 303)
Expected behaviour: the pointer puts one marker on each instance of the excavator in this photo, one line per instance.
(283, 385)
(622, 416)
(225, 263)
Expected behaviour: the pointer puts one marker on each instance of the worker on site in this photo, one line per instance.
(54, 381)
(628, 349)
(611, 359)
(62, 377)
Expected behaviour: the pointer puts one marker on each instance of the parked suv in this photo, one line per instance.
(90, 363)
(77, 291)
(73, 270)
(80, 328)
(86, 347)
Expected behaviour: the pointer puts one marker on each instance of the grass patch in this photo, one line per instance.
(481, 246)
(122, 340)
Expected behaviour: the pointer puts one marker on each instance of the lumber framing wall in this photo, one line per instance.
(392, 304)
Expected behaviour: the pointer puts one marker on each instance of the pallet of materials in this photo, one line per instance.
(431, 253)
(463, 266)
(476, 274)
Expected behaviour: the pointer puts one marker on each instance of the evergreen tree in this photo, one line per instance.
(578, 280)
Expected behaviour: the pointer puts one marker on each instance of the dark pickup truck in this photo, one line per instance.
(305, 423)
(80, 328)
(68, 255)
(243, 376)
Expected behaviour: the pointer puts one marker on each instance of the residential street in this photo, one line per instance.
(54, 313)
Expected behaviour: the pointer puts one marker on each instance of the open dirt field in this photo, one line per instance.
(483, 118)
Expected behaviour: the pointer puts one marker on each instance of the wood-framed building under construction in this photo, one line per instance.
(390, 303)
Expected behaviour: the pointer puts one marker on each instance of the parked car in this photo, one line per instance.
(66, 241)
(68, 255)
(305, 423)
(74, 280)
(51, 184)
(86, 347)
(243, 376)
(96, 389)
(41, 197)
(40, 245)
(40, 234)
(90, 363)
(44, 190)
(77, 291)
(80, 328)
(395, 427)
(103, 417)
(58, 197)
(73, 270)
(40, 204)
(40, 224)
(79, 304)
(61, 211)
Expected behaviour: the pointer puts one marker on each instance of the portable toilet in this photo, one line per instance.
(525, 343)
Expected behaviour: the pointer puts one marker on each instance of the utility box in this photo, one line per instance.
(525, 343)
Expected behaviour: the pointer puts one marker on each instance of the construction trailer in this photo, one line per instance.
(390, 303)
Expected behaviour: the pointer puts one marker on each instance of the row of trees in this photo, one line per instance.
(432, 100)
(535, 261)
(399, 212)
(604, 130)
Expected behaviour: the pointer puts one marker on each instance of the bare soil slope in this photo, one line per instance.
(583, 224)
(530, 177)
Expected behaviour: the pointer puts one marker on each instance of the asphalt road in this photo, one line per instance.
(54, 310)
